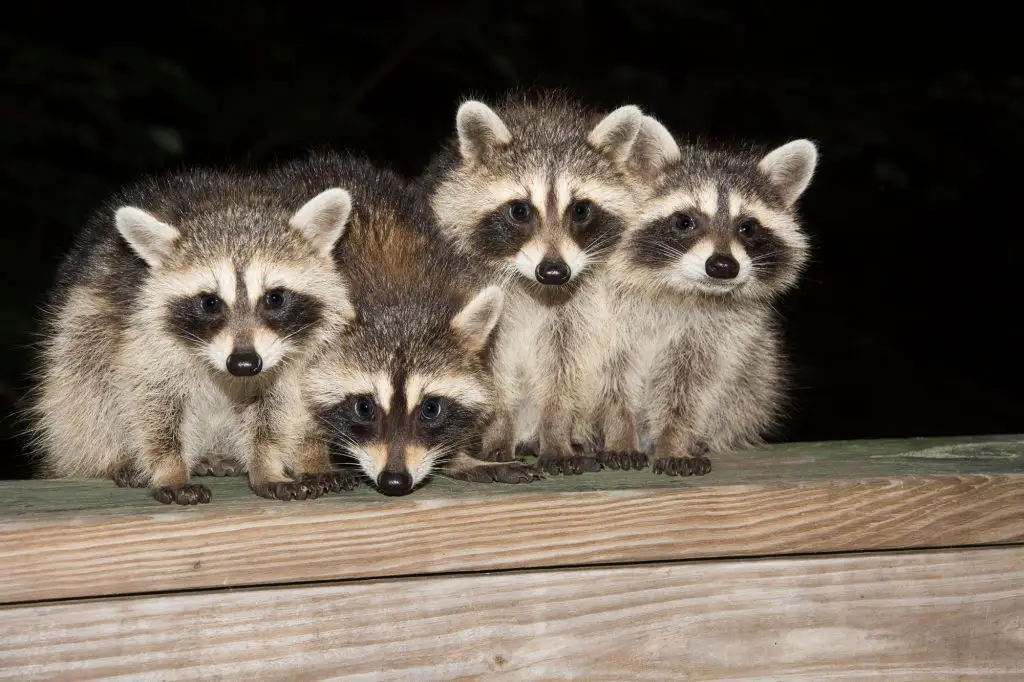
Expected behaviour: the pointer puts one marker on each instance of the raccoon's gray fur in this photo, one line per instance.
(535, 189)
(178, 327)
(404, 389)
(700, 369)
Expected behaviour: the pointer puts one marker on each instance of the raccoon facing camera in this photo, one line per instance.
(698, 366)
(178, 327)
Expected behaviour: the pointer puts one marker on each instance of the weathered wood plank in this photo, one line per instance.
(897, 616)
(76, 539)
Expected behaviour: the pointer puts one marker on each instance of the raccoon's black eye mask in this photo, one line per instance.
(436, 419)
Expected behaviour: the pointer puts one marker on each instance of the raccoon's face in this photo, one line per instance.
(722, 224)
(540, 194)
(244, 304)
(403, 411)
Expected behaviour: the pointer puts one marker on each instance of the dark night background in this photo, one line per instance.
(907, 322)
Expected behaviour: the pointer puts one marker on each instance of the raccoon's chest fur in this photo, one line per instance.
(676, 342)
(215, 423)
(543, 349)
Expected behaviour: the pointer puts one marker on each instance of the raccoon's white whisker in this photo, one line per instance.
(334, 431)
(297, 331)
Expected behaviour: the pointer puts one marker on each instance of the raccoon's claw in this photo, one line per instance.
(185, 493)
(333, 482)
(696, 465)
(129, 477)
(288, 490)
(623, 460)
(572, 464)
(215, 466)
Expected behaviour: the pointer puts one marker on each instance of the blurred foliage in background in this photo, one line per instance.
(905, 323)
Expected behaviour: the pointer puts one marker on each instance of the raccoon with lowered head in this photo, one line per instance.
(180, 320)
(406, 387)
(719, 240)
(534, 189)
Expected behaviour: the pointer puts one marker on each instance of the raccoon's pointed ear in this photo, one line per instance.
(323, 218)
(480, 131)
(474, 323)
(615, 134)
(654, 148)
(148, 236)
(790, 168)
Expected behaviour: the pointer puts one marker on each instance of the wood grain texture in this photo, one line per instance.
(899, 616)
(77, 539)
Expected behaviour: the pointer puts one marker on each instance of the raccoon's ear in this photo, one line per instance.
(323, 218)
(149, 237)
(790, 168)
(474, 323)
(654, 149)
(615, 134)
(480, 131)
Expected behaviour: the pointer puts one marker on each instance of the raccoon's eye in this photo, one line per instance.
(210, 303)
(430, 409)
(519, 211)
(749, 228)
(684, 222)
(365, 408)
(580, 211)
(274, 299)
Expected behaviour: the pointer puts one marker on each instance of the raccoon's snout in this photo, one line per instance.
(245, 363)
(553, 272)
(721, 266)
(395, 483)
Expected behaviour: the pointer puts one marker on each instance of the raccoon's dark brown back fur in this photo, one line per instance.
(406, 280)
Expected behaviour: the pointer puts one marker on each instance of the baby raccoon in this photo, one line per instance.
(405, 388)
(177, 329)
(701, 368)
(533, 188)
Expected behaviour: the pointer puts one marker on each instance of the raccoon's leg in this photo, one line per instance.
(162, 457)
(621, 448)
(462, 467)
(557, 454)
(498, 439)
(313, 468)
(684, 393)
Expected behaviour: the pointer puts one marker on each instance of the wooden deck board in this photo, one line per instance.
(946, 615)
(89, 538)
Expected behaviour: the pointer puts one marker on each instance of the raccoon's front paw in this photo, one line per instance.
(623, 460)
(693, 465)
(215, 466)
(333, 482)
(184, 493)
(575, 463)
(287, 490)
(130, 477)
(503, 472)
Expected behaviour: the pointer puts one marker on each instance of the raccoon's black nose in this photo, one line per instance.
(721, 266)
(394, 483)
(553, 272)
(245, 363)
